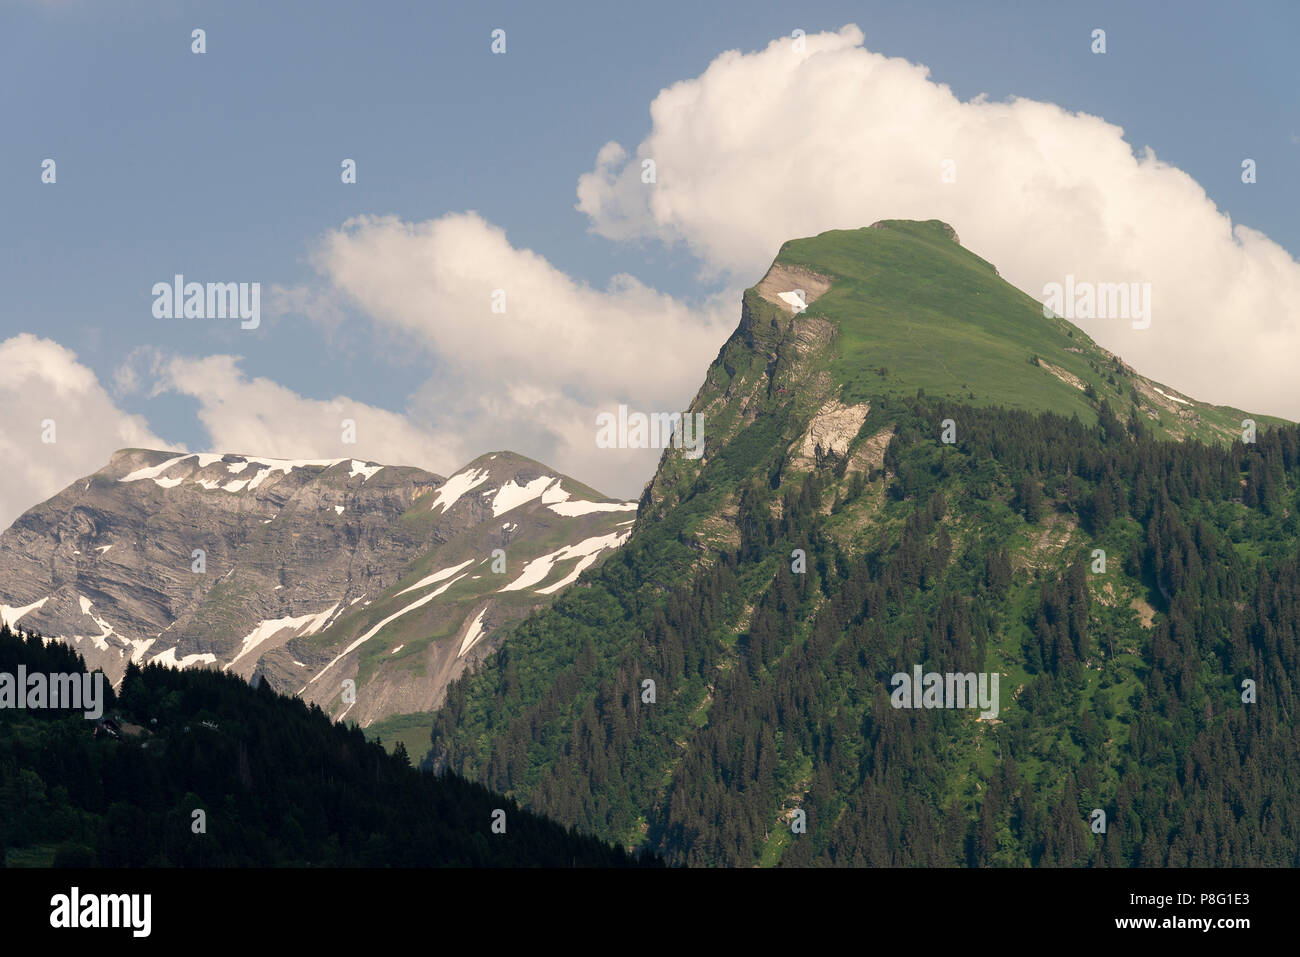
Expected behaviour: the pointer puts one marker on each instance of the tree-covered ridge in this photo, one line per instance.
(1122, 692)
(279, 784)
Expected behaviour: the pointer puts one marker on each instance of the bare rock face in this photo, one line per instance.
(830, 433)
(277, 567)
(939, 224)
(792, 288)
(1066, 377)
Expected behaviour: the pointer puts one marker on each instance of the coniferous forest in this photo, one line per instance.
(1126, 686)
(278, 784)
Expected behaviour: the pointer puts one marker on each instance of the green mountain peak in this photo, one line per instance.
(731, 669)
(913, 309)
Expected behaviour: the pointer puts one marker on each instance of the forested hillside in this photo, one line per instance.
(1137, 596)
(773, 689)
(277, 782)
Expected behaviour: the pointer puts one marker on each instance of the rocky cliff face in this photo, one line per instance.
(772, 367)
(314, 573)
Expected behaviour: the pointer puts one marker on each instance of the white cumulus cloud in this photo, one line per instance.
(257, 416)
(533, 374)
(46, 393)
(777, 144)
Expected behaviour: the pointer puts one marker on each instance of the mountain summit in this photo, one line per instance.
(851, 316)
(314, 573)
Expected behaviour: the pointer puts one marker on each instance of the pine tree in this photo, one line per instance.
(1103, 506)
(1030, 498)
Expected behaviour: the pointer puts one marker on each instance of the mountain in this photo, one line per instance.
(921, 470)
(198, 768)
(311, 573)
(899, 307)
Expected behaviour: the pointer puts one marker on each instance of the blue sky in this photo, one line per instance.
(225, 166)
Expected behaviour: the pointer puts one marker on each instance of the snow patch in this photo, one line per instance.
(456, 486)
(205, 459)
(473, 635)
(435, 577)
(288, 465)
(361, 468)
(168, 658)
(153, 471)
(10, 615)
(583, 564)
(138, 647)
(438, 591)
(419, 602)
(338, 509)
(572, 509)
(794, 299)
(317, 622)
(588, 550)
(301, 627)
(100, 641)
(102, 548)
(557, 499)
(512, 495)
(1173, 397)
(556, 493)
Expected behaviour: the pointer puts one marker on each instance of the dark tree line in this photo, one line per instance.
(278, 782)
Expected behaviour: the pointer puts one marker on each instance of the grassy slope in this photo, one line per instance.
(907, 297)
